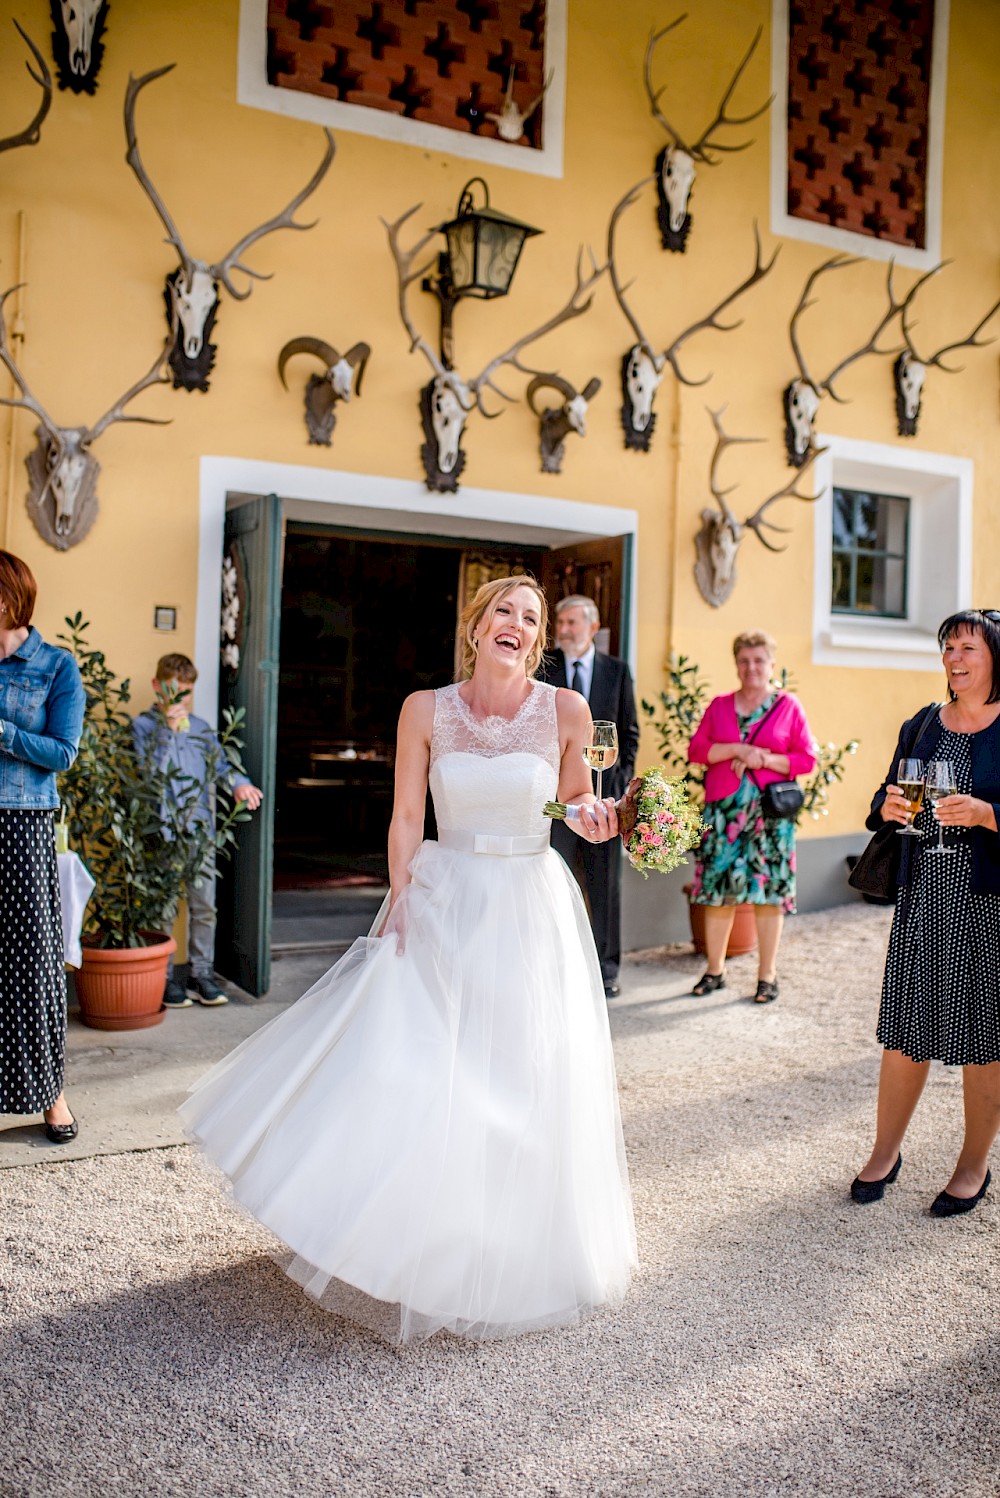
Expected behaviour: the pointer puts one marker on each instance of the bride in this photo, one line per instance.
(433, 1129)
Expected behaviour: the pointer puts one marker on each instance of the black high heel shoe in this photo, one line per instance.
(864, 1192)
(946, 1205)
(61, 1133)
(708, 983)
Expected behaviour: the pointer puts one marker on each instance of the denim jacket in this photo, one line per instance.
(41, 717)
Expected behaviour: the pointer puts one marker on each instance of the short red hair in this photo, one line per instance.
(17, 591)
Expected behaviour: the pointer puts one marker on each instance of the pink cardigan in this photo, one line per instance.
(785, 732)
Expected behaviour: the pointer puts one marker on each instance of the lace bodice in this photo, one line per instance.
(494, 775)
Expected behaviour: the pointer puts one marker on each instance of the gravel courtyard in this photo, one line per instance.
(778, 1339)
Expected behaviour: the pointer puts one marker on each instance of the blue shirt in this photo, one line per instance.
(188, 751)
(41, 717)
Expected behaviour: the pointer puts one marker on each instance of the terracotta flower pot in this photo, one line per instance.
(121, 988)
(742, 938)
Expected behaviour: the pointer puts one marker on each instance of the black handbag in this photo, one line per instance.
(876, 872)
(780, 800)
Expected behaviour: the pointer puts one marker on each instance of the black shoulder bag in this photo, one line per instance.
(780, 800)
(877, 870)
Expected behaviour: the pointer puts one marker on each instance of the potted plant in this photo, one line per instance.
(141, 831)
(675, 716)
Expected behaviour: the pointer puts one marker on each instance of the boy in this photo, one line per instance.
(176, 737)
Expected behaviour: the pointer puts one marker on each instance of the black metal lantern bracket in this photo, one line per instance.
(483, 249)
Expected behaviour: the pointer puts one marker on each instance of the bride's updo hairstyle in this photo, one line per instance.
(483, 607)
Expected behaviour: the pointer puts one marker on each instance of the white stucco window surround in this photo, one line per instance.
(939, 581)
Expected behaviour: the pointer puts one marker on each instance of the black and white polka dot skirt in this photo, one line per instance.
(941, 992)
(32, 973)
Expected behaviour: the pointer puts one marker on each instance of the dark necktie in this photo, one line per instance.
(577, 682)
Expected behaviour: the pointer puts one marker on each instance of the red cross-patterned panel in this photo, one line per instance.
(445, 62)
(859, 74)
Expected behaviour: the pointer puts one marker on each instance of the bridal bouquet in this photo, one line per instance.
(656, 821)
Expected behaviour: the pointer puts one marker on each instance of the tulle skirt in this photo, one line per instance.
(433, 1129)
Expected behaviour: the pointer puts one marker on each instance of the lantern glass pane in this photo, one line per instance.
(462, 253)
(499, 249)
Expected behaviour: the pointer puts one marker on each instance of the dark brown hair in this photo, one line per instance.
(17, 590)
(176, 667)
(984, 622)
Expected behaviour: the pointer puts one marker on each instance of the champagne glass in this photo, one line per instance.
(940, 782)
(600, 751)
(910, 779)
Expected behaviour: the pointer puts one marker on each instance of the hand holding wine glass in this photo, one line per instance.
(600, 751)
(910, 780)
(940, 782)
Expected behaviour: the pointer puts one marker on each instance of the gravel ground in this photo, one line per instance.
(778, 1340)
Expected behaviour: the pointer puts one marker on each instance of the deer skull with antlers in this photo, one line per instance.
(643, 366)
(31, 134)
(718, 541)
(511, 120)
(801, 397)
(76, 42)
(62, 499)
(910, 369)
(447, 400)
(337, 383)
(192, 291)
(677, 163)
(555, 423)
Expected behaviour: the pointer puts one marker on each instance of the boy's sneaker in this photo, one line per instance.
(206, 991)
(174, 996)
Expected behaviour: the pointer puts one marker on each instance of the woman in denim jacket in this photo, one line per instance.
(41, 715)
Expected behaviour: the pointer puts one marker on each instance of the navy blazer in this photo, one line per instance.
(612, 698)
(985, 752)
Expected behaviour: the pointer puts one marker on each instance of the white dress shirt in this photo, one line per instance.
(586, 670)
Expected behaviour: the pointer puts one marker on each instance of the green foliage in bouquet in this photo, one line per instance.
(678, 711)
(659, 822)
(138, 827)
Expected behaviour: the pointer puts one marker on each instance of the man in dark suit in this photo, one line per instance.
(607, 685)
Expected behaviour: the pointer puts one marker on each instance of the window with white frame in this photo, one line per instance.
(893, 553)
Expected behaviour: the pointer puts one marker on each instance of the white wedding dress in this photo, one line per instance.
(433, 1129)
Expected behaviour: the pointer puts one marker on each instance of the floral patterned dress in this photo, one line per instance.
(745, 858)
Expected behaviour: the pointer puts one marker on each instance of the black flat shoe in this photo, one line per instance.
(863, 1192)
(708, 983)
(62, 1133)
(767, 992)
(946, 1205)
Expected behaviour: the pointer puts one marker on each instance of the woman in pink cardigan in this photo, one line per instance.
(747, 738)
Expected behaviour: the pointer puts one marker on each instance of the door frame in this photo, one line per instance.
(374, 502)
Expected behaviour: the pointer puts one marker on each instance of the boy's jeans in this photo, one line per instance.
(201, 926)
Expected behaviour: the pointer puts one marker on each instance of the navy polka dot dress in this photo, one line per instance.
(32, 973)
(941, 992)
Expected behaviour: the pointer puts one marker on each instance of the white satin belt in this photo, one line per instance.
(493, 843)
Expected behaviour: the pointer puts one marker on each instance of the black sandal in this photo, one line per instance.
(766, 992)
(708, 983)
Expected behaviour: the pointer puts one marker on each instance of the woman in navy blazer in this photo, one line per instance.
(941, 990)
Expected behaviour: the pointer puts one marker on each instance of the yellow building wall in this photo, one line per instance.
(76, 227)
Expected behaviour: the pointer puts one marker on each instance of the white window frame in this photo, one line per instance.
(782, 222)
(254, 90)
(939, 553)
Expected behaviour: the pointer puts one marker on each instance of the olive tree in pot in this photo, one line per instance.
(141, 830)
(675, 716)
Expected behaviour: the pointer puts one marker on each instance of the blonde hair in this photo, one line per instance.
(483, 607)
(753, 639)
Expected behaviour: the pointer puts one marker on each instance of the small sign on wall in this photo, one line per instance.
(164, 618)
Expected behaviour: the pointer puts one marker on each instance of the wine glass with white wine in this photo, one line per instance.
(940, 782)
(910, 779)
(600, 750)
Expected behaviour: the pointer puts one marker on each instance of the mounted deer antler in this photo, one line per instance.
(63, 472)
(448, 399)
(510, 122)
(336, 383)
(31, 134)
(718, 541)
(675, 165)
(802, 396)
(192, 290)
(643, 366)
(910, 368)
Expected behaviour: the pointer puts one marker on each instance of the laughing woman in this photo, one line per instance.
(41, 715)
(941, 991)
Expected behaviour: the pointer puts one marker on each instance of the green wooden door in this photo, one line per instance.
(255, 533)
